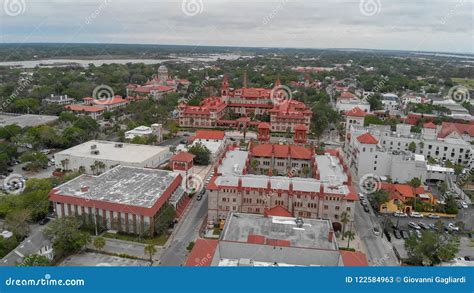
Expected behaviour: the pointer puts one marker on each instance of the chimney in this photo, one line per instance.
(330, 235)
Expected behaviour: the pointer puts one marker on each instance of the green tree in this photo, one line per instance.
(201, 153)
(432, 248)
(150, 250)
(17, 223)
(350, 236)
(99, 243)
(35, 260)
(66, 235)
(345, 218)
(412, 147)
(165, 217)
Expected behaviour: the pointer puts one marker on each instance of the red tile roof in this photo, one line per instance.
(448, 127)
(356, 112)
(277, 211)
(182, 157)
(210, 134)
(346, 95)
(85, 108)
(354, 258)
(256, 239)
(202, 253)
(264, 125)
(281, 151)
(112, 101)
(367, 138)
(430, 125)
(401, 191)
(300, 127)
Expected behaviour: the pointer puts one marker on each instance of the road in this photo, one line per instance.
(172, 141)
(379, 251)
(175, 253)
(30, 245)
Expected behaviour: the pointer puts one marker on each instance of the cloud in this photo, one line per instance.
(425, 25)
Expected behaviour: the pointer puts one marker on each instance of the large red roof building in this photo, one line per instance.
(285, 114)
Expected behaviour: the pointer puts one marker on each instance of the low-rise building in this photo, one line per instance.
(124, 199)
(325, 191)
(273, 240)
(58, 100)
(145, 131)
(98, 156)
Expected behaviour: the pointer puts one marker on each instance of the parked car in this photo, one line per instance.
(397, 234)
(433, 227)
(376, 231)
(361, 196)
(414, 225)
(405, 234)
(366, 209)
(400, 214)
(423, 226)
(452, 227)
(464, 205)
(418, 233)
(433, 216)
(9, 170)
(416, 215)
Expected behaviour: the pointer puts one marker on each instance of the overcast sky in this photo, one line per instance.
(425, 25)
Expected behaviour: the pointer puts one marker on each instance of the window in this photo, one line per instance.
(326, 207)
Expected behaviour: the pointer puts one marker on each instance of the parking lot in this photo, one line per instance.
(101, 260)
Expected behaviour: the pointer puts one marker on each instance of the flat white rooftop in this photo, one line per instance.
(108, 150)
(28, 120)
(123, 185)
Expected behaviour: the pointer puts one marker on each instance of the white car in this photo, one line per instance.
(464, 205)
(414, 226)
(361, 196)
(416, 215)
(453, 227)
(400, 214)
(433, 216)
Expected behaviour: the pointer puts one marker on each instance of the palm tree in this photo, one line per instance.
(150, 250)
(345, 218)
(415, 183)
(99, 243)
(350, 236)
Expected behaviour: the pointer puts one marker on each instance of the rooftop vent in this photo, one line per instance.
(95, 152)
(93, 147)
(84, 188)
(119, 145)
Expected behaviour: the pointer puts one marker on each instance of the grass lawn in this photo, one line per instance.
(464, 81)
(157, 240)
